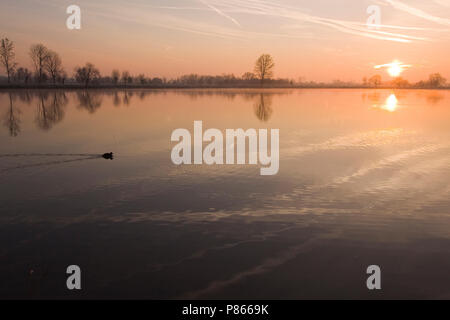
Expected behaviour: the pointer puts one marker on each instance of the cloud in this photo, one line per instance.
(220, 12)
(419, 13)
(267, 8)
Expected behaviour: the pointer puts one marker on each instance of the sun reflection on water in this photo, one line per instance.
(391, 103)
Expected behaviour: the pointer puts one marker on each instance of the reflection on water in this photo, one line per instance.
(50, 108)
(391, 103)
(51, 104)
(11, 118)
(263, 108)
(357, 186)
(89, 100)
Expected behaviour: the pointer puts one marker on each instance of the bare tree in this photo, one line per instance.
(141, 79)
(436, 80)
(23, 74)
(115, 75)
(375, 80)
(7, 56)
(39, 55)
(62, 76)
(248, 76)
(264, 67)
(86, 74)
(53, 65)
(125, 77)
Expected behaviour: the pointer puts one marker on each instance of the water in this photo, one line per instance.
(364, 179)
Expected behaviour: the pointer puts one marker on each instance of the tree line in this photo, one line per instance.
(48, 71)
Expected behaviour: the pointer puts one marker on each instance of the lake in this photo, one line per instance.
(363, 180)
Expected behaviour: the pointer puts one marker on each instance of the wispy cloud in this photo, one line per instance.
(445, 3)
(233, 10)
(278, 10)
(267, 8)
(220, 12)
(420, 13)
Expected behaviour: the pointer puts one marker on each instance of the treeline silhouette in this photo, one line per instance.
(48, 72)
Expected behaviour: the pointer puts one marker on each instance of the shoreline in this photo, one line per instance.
(146, 87)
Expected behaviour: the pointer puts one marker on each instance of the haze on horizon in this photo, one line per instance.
(319, 41)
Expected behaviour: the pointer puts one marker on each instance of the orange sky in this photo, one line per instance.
(320, 40)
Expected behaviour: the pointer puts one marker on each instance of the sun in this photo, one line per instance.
(394, 69)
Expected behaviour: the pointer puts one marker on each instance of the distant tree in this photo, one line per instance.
(115, 76)
(375, 81)
(62, 77)
(157, 82)
(125, 77)
(248, 76)
(264, 67)
(86, 74)
(420, 84)
(7, 56)
(399, 82)
(39, 55)
(436, 80)
(141, 79)
(364, 81)
(23, 74)
(53, 65)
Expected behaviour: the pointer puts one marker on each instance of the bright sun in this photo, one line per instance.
(394, 69)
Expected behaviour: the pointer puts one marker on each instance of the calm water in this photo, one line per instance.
(364, 179)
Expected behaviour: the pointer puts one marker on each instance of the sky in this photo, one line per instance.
(321, 40)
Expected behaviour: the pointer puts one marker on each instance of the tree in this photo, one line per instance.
(115, 76)
(53, 65)
(86, 74)
(375, 81)
(39, 55)
(399, 82)
(248, 76)
(436, 80)
(7, 56)
(125, 77)
(23, 74)
(62, 76)
(141, 79)
(264, 67)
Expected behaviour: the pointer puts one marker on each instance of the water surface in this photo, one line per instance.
(364, 179)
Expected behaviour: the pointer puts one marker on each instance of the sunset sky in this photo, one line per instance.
(319, 40)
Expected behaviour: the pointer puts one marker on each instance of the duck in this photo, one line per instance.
(108, 155)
